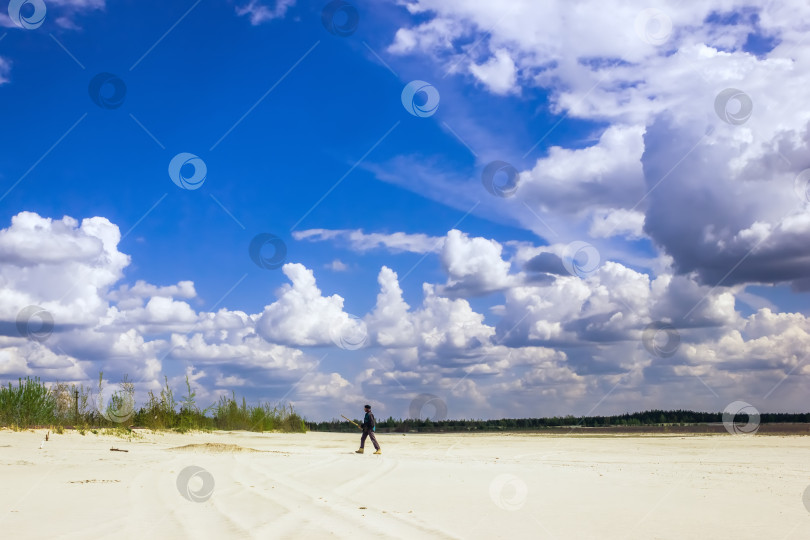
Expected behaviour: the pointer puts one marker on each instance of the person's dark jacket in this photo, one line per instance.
(369, 422)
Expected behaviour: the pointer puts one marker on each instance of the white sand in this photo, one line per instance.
(423, 486)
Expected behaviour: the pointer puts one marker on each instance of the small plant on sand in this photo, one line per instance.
(191, 417)
(120, 407)
(122, 432)
(159, 411)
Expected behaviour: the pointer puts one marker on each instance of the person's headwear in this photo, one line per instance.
(367, 406)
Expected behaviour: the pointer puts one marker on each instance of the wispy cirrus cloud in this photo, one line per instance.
(357, 240)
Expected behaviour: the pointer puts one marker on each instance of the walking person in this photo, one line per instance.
(368, 427)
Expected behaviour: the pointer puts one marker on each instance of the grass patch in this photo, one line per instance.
(31, 403)
(122, 432)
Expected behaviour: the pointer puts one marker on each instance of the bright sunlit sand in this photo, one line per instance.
(248, 485)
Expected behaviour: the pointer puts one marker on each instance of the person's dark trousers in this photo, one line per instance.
(370, 434)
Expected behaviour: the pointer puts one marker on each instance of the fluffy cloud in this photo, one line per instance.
(574, 185)
(607, 223)
(133, 296)
(79, 4)
(498, 73)
(337, 266)
(5, 69)
(732, 234)
(62, 12)
(259, 12)
(473, 265)
(63, 266)
(160, 314)
(250, 352)
(653, 77)
(441, 329)
(613, 303)
(389, 321)
(302, 316)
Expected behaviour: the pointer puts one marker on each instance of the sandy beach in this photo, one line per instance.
(423, 486)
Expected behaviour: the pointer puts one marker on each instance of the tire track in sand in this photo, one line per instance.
(333, 509)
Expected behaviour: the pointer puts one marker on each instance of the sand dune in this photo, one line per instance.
(246, 485)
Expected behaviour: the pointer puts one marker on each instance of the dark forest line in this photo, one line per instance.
(652, 418)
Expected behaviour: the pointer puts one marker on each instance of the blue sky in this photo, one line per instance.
(304, 136)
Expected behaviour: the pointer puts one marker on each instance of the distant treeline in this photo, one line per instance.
(645, 418)
(31, 403)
